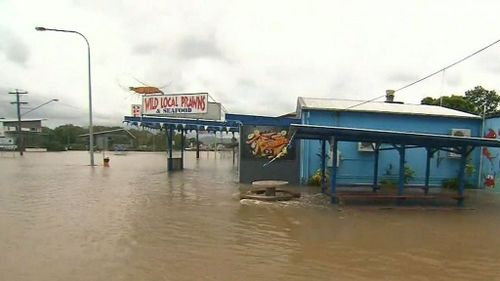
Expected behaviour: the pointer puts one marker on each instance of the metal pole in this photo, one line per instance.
(91, 129)
(170, 148)
(401, 169)
(233, 139)
(91, 126)
(461, 176)
(323, 166)
(182, 149)
(333, 176)
(19, 137)
(20, 141)
(197, 145)
(33, 109)
(375, 168)
(430, 152)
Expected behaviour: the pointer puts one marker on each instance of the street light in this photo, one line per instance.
(35, 108)
(91, 129)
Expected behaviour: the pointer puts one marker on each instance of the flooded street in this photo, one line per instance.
(63, 220)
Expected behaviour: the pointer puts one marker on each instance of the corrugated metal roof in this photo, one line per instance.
(110, 132)
(393, 108)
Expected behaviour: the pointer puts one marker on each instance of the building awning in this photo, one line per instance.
(400, 141)
(183, 124)
(387, 137)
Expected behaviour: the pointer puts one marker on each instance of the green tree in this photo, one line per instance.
(150, 141)
(473, 102)
(68, 134)
(177, 141)
(482, 98)
(50, 140)
(453, 102)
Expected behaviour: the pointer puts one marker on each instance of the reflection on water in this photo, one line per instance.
(63, 220)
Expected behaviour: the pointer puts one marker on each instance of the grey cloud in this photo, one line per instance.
(491, 62)
(8, 110)
(192, 48)
(339, 87)
(247, 83)
(144, 49)
(54, 114)
(342, 86)
(454, 79)
(13, 47)
(402, 77)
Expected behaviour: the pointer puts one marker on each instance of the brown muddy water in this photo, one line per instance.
(63, 220)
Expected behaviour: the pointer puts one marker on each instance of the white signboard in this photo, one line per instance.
(214, 112)
(175, 104)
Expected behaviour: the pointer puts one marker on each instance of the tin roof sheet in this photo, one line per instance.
(378, 106)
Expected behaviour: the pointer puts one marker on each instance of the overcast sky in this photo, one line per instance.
(256, 57)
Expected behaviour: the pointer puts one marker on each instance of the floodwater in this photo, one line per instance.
(63, 220)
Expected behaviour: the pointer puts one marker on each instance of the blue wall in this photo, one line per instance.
(356, 167)
(490, 170)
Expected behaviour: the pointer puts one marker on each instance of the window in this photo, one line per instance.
(366, 146)
(458, 133)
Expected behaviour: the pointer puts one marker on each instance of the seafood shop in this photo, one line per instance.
(353, 143)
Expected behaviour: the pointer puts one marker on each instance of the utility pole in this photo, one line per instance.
(20, 141)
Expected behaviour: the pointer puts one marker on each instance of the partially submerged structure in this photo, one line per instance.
(360, 143)
(104, 140)
(354, 158)
(30, 130)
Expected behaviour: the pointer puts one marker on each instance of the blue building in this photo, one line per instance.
(355, 160)
(375, 142)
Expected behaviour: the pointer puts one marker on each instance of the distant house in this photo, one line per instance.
(7, 143)
(8, 127)
(8, 131)
(107, 140)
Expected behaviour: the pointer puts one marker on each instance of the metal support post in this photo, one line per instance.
(401, 187)
(430, 152)
(182, 149)
(20, 140)
(197, 145)
(461, 175)
(170, 137)
(333, 176)
(375, 168)
(323, 165)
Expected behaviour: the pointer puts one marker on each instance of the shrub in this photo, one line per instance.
(315, 179)
(453, 184)
(409, 174)
(387, 184)
(55, 146)
(450, 183)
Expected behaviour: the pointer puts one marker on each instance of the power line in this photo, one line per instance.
(430, 75)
